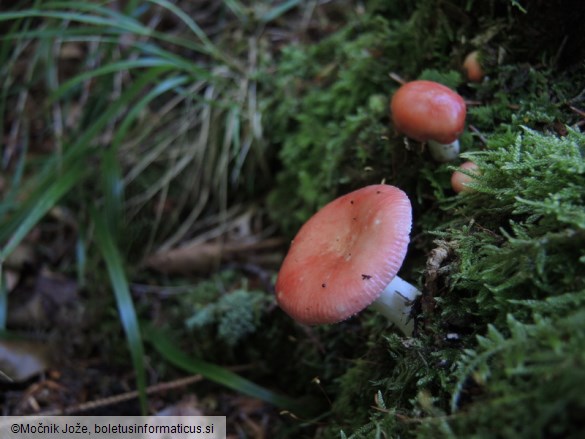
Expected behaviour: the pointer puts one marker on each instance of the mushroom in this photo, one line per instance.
(472, 67)
(459, 180)
(346, 257)
(430, 112)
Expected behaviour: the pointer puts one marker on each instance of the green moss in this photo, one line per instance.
(323, 113)
(236, 315)
(513, 304)
(326, 109)
(528, 382)
(500, 331)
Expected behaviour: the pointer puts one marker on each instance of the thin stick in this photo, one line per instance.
(397, 78)
(479, 134)
(116, 399)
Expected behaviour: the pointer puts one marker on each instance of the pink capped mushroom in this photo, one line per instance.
(346, 257)
(472, 67)
(430, 112)
(459, 180)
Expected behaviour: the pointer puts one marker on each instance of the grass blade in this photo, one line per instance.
(126, 309)
(141, 82)
(219, 374)
(36, 207)
(3, 300)
(162, 87)
(23, 221)
(109, 22)
(113, 191)
(113, 67)
(279, 10)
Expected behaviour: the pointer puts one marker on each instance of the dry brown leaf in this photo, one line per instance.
(22, 254)
(49, 301)
(239, 236)
(205, 257)
(30, 314)
(21, 360)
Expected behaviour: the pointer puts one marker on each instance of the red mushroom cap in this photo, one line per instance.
(472, 67)
(459, 180)
(344, 256)
(427, 110)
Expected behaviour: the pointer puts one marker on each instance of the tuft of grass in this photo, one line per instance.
(115, 113)
(126, 311)
(137, 86)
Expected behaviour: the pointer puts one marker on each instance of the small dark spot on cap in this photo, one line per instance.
(366, 276)
(378, 192)
(351, 201)
(355, 218)
(323, 285)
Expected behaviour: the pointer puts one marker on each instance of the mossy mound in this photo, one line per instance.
(501, 325)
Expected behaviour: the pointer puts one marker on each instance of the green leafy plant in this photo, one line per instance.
(236, 315)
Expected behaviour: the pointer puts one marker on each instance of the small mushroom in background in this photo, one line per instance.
(430, 112)
(472, 67)
(459, 180)
(346, 257)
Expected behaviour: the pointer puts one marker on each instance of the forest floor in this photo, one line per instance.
(158, 157)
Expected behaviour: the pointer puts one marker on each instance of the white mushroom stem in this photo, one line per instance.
(395, 303)
(444, 152)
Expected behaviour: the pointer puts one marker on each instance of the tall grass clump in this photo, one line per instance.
(132, 121)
